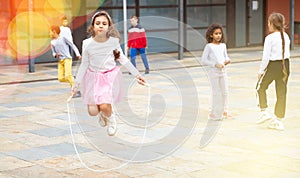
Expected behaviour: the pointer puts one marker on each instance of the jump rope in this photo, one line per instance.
(95, 147)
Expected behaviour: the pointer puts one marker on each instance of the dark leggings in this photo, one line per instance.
(274, 72)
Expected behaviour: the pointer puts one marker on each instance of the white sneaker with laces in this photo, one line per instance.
(102, 119)
(111, 125)
(265, 115)
(276, 124)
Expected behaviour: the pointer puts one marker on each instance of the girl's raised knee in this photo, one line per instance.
(93, 110)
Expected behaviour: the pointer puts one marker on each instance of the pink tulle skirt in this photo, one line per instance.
(102, 87)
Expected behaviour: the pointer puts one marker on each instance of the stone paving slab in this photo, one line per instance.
(35, 171)
(14, 113)
(49, 151)
(50, 132)
(31, 154)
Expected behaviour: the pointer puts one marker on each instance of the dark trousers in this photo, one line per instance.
(274, 72)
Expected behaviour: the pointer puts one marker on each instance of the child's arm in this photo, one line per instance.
(82, 68)
(227, 62)
(266, 56)
(141, 80)
(205, 57)
(73, 46)
(127, 64)
(54, 53)
(143, 37)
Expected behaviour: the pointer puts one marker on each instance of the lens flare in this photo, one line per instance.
(80, 16)
(28, 34)
(55, 8)
(25, 32)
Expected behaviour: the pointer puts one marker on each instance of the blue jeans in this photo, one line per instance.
(143, 56)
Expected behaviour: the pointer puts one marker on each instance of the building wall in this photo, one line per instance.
(280, 6)
(297, 10)
(297, 22)
(284, 8)
(25, 35)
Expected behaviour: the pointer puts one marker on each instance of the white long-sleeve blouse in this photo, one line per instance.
(273, 49)
(214, 54)
(99, 56)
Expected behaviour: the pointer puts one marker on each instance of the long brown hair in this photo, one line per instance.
(278, 22)
(112, 31)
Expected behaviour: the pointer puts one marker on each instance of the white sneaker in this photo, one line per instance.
(276, 124)
(265, 115)
(102, 119)
(111, 125)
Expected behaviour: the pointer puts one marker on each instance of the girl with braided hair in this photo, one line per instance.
(275, 65)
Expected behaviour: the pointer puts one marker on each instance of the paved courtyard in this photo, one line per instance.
(163, 130)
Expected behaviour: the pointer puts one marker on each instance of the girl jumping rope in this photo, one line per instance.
(275, 65)
(98, 74)
(215, 56)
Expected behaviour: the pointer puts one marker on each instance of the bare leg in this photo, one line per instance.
(93, 110)
(106, 109)
(111, 122)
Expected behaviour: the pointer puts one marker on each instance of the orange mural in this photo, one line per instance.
(24, 30)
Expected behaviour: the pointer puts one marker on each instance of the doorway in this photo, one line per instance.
(254, 22)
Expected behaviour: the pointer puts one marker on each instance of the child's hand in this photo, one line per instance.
(79, 57)
(74, 89)
(57, 55)
(259, 76)
(220, 66)
(141, 80)
(226, 62)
